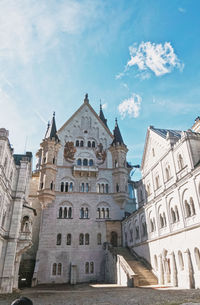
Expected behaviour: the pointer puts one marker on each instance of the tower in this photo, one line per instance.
(47, 156)
(120, 171)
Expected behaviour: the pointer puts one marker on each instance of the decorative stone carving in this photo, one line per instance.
(100, 153)
(69, 151)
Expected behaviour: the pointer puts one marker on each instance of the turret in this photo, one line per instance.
(120, 171)
(102, 117)
(47, 156)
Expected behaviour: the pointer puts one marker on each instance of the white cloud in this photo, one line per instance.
(182, 10)
(104, 106)
(158, 58)
(29, 28)
(131, 106)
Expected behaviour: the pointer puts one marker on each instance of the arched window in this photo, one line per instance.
(65, 212)
(81, 239)
(82, 213)
(148, 190)
(60, 213)
(59, 238)
(102, 188)
(173, 215)
(87, 239)
(71, 187)
(93, 144)
(86, 267)
(62, 187)
(85, 162)
(144, 229)
(197, 257)
(79, 162)
(53, 161)
(177, 213)
(164, 219)
(161, 221)
(157, 182)
(87, 188)
(89, 144)
(25, 224)
(54, 269)
(77, 143)
(102, 213)
(106, 188)
(180, 162)
(99, 239)
(98, 213)
(116, 163)
(91, 267)
(187, 209)
(70, 212)
(86, 213)
(82, 187)
(51, 185)
(59, 269)
(192, 207)
(107, 213)
(66, 187)
(117, 187)
(180, 259)
(137, 235)
(91, 162)
(69, 239)
(81, 143)
(167, 173)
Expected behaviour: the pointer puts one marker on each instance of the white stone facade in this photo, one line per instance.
(165, 229)
(16, 215)
(90, 189)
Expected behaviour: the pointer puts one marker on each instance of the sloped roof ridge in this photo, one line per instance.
(163, 132)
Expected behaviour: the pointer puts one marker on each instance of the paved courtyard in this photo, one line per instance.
(104, 295)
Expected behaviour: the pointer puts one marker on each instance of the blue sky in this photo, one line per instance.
(141, 58)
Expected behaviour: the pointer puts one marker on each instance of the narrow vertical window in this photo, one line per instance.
(87, 188)
(60, 213)
(71, 187)
(98, 213)
(59, 237)
(70, 212)
(81, 239)
(82, 213)
(91, 267)
(93, 144)
(86, 267)
(62, 187)
(81, 144)
(66, 187)
(59, 269)
(107, 213)
(89, 144)
(106, 188)
(65, 212)
(86, 213)
(69, 239)
(87, 239)
(99, 239)
(54, 269)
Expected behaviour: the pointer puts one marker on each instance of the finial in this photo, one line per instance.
(115, 121)
(100, 105)
(86, 100)
(48, 124)
(54, 114)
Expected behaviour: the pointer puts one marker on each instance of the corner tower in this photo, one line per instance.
(120, 172)
(47, 156)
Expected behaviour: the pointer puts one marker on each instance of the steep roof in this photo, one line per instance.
(102, 117)
(86, 102)
(117, 135)
(51, 130)
(163, 132)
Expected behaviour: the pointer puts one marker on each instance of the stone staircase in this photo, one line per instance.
(144, 274)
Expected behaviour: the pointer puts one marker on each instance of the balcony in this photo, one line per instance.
(85, 171)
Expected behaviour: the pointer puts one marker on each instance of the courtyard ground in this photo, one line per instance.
(104, 295)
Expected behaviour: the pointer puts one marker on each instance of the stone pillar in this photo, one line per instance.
(16, 272)
(174, 280)
(161, 271)
(189, 273)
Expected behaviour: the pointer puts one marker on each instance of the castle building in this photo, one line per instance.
(83, 192)
(16, 215)
(165, 229)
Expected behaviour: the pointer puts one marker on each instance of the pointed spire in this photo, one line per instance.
(117, 135)
(51, 129)
(86, 100)
(101, 115)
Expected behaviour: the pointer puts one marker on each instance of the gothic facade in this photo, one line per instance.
(16, 215)
(165, 229)
(83, 190)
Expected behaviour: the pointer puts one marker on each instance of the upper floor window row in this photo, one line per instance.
(66, 187)
(102, 188)
(85, 162)
(65, 212)
(80, 143)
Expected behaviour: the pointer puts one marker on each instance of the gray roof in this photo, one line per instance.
(163, 132)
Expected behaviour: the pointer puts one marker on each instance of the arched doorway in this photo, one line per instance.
(113, 239)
